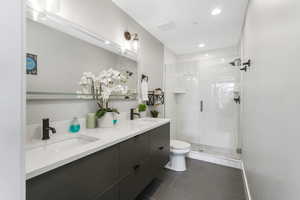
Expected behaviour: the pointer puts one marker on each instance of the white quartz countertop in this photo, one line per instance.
(40, 160)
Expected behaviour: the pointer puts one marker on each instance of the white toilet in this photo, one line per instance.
(178, 152)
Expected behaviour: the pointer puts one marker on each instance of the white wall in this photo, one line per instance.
(170, 60)
(12, 177)
(271, 99)
(106, 19)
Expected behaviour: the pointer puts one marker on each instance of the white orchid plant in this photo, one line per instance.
(108, 82)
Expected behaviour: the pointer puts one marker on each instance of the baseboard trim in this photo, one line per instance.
(219, 160)
(246, 185)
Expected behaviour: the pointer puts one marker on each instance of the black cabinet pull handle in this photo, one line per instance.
(161, 148)
(136, 167)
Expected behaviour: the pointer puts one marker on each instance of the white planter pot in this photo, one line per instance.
(106, 121)
(143, 114)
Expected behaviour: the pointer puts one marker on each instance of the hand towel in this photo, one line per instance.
(144, 90)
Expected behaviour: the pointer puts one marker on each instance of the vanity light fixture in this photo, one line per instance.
(216, 11)
(135, 43)
(133, 39)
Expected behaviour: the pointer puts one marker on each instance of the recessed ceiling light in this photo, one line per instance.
(201, 45)
(216, 11)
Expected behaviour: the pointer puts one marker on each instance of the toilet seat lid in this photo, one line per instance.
(177, 144)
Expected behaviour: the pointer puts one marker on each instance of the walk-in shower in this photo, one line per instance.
(200, 100)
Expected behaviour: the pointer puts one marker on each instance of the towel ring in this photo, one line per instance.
(144, 77)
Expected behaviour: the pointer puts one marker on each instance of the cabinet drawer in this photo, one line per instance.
(132, 152)
(111, 194)
(82, 179)
(160, 146)
(133, 184)
(160, 136)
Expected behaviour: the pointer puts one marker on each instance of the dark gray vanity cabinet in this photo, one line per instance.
(133, 153)
(153, 150)
(160, 146)
(135, 182)
(134, 166)
(111, 194)
(119, 172)
(85, 178)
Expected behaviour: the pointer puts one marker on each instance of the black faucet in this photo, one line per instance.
(132, 113)
(46, 129)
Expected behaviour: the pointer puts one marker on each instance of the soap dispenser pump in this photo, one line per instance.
(74, 126)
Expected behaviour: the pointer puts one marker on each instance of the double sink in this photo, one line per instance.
(54, 146)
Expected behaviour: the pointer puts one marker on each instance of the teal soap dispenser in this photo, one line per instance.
(74, 126)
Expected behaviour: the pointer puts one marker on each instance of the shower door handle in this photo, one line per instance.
(201, 106)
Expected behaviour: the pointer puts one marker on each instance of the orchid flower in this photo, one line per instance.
(108, 82)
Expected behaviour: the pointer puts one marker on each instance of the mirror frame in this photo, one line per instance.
(58, 23)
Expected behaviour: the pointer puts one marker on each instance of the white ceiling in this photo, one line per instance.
(182, 25)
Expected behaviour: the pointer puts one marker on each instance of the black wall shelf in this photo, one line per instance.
(155, 99)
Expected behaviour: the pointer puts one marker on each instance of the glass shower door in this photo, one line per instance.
(206, 115)
(219, 114)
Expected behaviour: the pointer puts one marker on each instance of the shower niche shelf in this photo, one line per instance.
(179, 92)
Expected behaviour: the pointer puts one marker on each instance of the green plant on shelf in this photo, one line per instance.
(154, 113)
(142, 107)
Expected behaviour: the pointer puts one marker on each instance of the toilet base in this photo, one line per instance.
(177, 162)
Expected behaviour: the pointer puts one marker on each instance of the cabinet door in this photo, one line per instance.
(160, 146)
(111, 194)
(132, 185)
(83, 179)
(133, 152)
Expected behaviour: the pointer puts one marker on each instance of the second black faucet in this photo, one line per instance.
(47, 129)
(132, 113)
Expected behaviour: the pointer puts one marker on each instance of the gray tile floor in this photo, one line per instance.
(202, 181)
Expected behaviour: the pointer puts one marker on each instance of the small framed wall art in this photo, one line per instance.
(31, 64)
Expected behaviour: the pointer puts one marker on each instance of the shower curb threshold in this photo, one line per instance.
(216, 159)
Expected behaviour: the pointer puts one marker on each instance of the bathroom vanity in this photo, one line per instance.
(97, 164)
(117, 166)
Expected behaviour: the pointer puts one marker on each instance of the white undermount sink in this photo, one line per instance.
(142, 122)
(147, 120)
(60, 146)
(152, 120)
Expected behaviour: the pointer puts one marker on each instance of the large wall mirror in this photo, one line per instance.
(59, 53)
